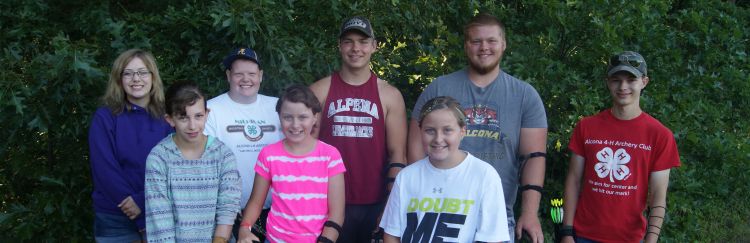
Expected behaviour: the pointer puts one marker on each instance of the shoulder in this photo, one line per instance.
(217, 143)
(389, 94)
(266, 100)
(326, 148)
(513, 82)
(272, 148)
(219, 102)
(165, 144)
(479, 165)
(656, 125)
(320, 87)
(218, 98)
(103, 113)
(387, 89)
(452, 78)
(413, 168)
(595, 118)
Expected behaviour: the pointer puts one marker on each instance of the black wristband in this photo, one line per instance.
(567, 230)
(324, 239)
(533, 187)
(333, 225)
(531, 155)
(392, 165)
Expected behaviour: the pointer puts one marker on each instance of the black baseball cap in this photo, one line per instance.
(357, 23)
(241, 53)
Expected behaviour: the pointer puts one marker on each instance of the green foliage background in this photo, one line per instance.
(55, 56)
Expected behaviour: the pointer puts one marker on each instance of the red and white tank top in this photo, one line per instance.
(353, 122)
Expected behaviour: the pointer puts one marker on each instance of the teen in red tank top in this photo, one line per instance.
(353, 122)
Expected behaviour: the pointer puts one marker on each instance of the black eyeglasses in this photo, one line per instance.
(633, 61)
(128, 75)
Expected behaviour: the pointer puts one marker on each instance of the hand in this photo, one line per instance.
(567, 239)
(377, 236)
(246, 236)
(129, 208)
(529, 223)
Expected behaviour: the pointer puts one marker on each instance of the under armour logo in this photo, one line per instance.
(437, 190)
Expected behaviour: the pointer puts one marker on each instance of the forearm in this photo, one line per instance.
(230, 192)
(390, 239)
(657, 204)
(570, 198)
(251, 212)
(532, 146)
(533, 174)
(336, 205)
(657, 211)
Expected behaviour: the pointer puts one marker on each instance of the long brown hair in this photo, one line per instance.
(114, 96)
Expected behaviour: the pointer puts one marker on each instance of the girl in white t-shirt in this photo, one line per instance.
(450, 195)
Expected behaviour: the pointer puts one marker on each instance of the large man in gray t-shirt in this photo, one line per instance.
(506, 120)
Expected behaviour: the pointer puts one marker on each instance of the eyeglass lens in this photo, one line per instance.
(141, 74)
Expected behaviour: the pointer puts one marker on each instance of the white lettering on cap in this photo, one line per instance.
(355, 22)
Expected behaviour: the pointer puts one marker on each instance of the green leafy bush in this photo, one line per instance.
(56, 55)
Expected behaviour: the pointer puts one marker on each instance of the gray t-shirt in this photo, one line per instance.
(495, 115)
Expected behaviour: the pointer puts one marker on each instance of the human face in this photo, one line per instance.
(625, 89)
(244, 81)
(189, 127)
(137, 87)
(297, 121)
(441, 136)
(484, 46)
(356, 50)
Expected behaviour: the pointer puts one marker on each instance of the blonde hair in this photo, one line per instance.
(443, 102)
(114, 96)
(484, 19)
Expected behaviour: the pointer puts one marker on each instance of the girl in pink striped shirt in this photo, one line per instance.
(306, 175)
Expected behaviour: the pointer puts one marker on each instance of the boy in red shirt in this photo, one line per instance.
(619, 165)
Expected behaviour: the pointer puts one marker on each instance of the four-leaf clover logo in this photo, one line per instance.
(612, 164)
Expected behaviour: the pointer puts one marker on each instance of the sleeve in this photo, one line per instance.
(140, 196)
(428, 93)
(228, 203)
(575, 145)
(393, 221)
(106, 172)
(336, 164)
(492, 225)
(665, 152)
(262, 167)
(534, 115)
(211, 123)
(159, 214)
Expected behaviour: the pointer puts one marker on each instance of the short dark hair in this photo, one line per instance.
(483, 19)
(443, 102)
(180, 95)
(298, 93)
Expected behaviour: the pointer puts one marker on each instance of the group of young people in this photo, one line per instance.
(327, 163)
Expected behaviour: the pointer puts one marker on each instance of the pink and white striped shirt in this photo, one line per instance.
(299, 190)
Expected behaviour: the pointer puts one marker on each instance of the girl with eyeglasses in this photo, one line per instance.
(123, 131)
